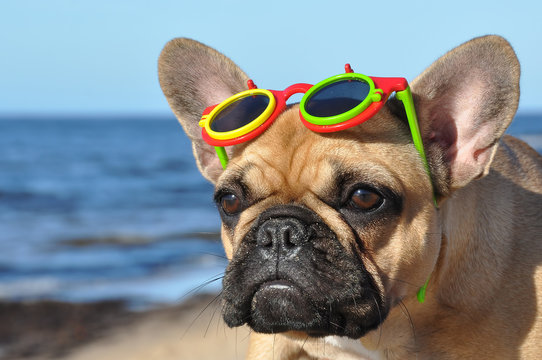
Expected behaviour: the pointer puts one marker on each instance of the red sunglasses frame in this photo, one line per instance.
(384, 85)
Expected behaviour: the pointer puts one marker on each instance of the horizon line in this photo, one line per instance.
(90, 116)
(115, 115)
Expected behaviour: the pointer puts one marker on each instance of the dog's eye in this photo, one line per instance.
(230, 203)
(365, 200)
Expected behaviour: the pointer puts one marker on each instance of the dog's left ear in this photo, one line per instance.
(465, 101)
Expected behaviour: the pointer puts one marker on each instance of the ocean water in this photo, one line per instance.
(103, 208)
(110, 208)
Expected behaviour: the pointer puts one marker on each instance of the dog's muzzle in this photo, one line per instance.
(291, 273)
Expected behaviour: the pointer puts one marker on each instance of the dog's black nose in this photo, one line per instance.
(282, 235)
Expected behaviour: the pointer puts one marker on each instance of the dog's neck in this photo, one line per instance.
(471, 240)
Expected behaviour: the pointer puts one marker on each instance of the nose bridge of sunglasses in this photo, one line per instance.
(300, 88)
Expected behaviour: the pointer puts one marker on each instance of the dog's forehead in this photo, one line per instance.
(289, 155)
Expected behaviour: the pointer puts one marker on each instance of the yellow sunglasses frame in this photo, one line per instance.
(207, 120)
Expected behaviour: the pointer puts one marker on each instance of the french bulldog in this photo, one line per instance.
(330, 236)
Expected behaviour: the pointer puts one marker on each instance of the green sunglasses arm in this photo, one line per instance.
(408, 102)
(222, 156)
(406, 97)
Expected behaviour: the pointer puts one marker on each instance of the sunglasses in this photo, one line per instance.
(334, 104)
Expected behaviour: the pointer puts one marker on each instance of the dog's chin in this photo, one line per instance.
(280, 306)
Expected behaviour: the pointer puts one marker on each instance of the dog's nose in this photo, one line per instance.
(282, 235)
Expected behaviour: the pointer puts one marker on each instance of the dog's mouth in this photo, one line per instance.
(279, 306)
(312, 284)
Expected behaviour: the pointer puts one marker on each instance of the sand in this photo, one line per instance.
(106, 331)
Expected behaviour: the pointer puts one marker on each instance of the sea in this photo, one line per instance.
(113, 208)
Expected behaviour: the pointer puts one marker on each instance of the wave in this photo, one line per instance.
(36, 201)
(138, 240)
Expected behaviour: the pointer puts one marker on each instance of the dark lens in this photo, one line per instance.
(240, 113)
(337, 98)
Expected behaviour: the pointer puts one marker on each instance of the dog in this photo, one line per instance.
(330, 236)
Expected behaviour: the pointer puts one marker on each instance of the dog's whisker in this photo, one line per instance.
(245, 319)
(212, 317)
(304, 342)
(401, 281)
(405, 311)
(274, 339)
(213, 254)
(248, 335)
(380, 321)
(324, 341)
(417, 286)
(323, 344)
(202, 285)
(224, 327)
(337, 325)
(199, 314)
(236, 343)
(220, 322)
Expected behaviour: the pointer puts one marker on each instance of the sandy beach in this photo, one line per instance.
(106, 330)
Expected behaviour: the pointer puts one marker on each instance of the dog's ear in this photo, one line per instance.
(465, 101)
(194, 76)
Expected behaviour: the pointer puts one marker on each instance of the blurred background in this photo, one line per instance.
(99, 195)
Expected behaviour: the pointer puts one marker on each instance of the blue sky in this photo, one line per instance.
(99, 57)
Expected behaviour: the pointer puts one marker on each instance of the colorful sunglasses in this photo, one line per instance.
(334, 104)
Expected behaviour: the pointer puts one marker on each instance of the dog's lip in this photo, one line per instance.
(277, 285)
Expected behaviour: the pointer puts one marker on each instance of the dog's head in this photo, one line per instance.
(325, 233)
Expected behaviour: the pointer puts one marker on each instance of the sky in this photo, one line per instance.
(66, 57)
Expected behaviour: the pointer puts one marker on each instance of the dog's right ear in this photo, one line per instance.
(194, 76)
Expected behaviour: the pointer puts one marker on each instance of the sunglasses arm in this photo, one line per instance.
(222, 156)
(406, 98)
